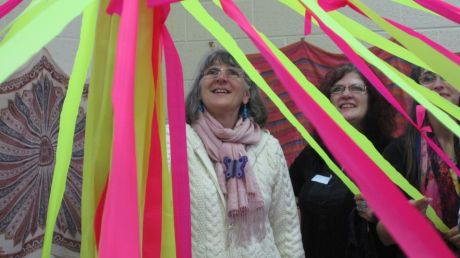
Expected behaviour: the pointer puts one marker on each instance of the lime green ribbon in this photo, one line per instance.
(68, 118)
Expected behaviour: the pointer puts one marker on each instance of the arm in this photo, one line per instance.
(297, 170)
(283, 213)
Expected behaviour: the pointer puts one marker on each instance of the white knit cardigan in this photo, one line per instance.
(208, 205)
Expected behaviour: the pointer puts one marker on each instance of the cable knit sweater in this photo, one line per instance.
(208, 205)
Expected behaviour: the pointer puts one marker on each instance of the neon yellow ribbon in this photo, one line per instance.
(67, 121)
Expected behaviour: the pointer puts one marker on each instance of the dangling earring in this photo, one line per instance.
(201, 107)
(245, 112)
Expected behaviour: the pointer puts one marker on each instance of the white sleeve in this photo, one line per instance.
(283, 210)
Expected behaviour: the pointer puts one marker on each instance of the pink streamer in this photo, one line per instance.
(416, 236)
(7, 7)
(156, 3)
(420, 113)
(179, 166)
(120, 221)
(454, 58)
(331, 5)
(115, 7)
(375, 81)
(307, 25)
(442, 8)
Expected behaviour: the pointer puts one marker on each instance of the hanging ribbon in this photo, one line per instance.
(443, 8)
(420, 112)
(68, 120)
(179, 168)
(355, 161)
(98, 132)
(115, 7)
(443, 62)
(120, 221)
(7, 7)
(33, 36)
(151, 243)
(156, 3)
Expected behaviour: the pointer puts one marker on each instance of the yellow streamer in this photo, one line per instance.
(99, 127)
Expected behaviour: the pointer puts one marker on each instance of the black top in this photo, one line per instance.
(395, 153)
(324, 207)
(328, 225)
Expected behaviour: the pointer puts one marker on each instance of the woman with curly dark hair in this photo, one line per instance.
(329, 227)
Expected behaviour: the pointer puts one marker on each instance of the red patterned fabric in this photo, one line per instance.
(30, 107)
(315, 62)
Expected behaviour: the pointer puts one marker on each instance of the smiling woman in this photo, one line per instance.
(242, 203)
(324, 201)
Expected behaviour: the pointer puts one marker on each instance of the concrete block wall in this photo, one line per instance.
(282, 25)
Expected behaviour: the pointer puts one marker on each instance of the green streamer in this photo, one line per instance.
(34, 8)
(364, 34)
(440, 63)
(398, 78)
(414, 5)
(68, 119)
(36, 33)
(201, 15)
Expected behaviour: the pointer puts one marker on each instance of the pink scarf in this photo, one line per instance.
(227, 149)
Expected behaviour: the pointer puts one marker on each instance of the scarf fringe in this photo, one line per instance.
(245, 226)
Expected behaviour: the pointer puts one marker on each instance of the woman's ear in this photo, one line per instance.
(246, 97)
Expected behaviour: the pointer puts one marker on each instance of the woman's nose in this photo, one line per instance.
(439, 84)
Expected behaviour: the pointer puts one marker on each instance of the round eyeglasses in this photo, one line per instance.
(353, 88)
(229, 72)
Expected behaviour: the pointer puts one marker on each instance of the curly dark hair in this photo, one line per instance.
(379, 122)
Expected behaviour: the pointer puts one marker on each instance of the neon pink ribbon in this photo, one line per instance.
(120, 220)
(442, 8)
(115, 7)
(415, 235)
(428, 41)
(156, 3)
(439, 48)
(153, 209)
(179, 166)
(7, 7)
(375, 81)
(327, 5)
(307, 25)
(331, 5)
(420, 112)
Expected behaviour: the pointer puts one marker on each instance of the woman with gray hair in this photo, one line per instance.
(242, 203)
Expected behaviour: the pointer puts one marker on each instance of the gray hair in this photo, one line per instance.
(256, 107)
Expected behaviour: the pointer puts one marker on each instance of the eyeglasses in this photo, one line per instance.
(428, 78)
(229, 72)
(354, 88)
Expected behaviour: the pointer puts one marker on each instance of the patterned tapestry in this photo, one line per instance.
(315, 62)
(30, 105)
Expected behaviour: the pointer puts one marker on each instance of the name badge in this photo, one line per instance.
(321, 179)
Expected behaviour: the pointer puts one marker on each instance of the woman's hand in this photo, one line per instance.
(422, 204)
(363, 209)
(453, 236)
(385, 237)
